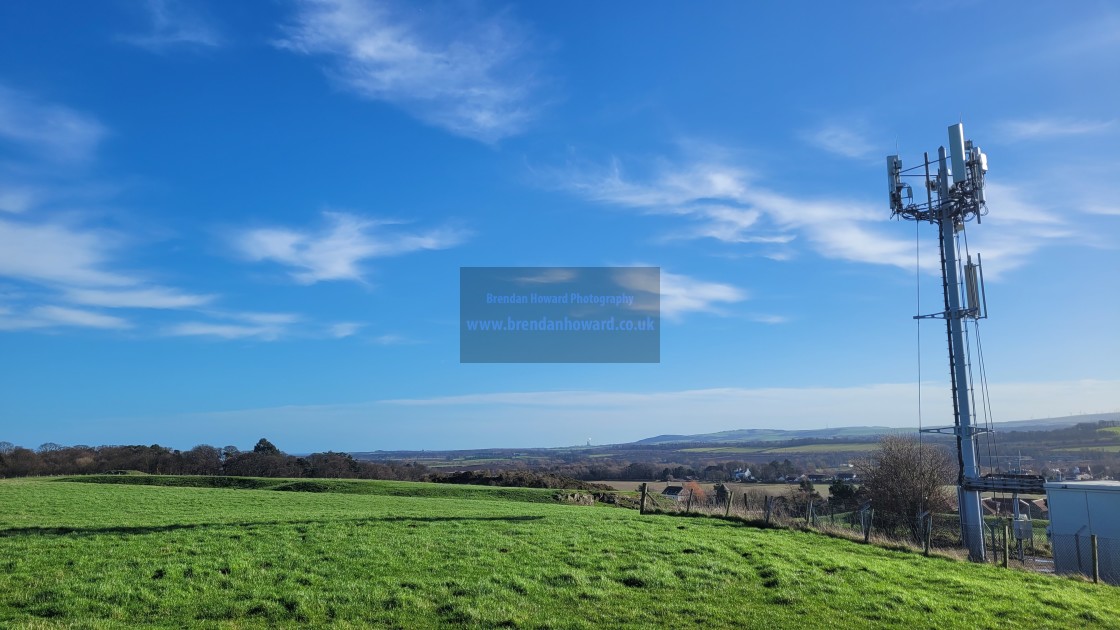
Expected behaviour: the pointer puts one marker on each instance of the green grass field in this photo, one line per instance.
(724, 449)
(381, 554)
(827, 448)
(1108, 448)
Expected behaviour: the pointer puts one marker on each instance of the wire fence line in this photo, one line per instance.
(1022, 545)
(795, 512)
(1094, 557)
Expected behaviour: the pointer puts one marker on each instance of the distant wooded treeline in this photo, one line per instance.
(265, 460)
(644, 471)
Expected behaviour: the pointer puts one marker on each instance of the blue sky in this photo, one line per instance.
(221, 221)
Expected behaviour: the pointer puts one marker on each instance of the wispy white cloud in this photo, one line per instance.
(805, 403)
(48, 317)
(147, 297)
(266, 319)
(565, 417)
(391, 339)
(49, 242)
(46, 252)
(77, 265)
(239, 325)
(764, 318)
(16, 199)
(337, 250)
(550, 275)
(1045, 128)
(1112, 211)
(671, 189)
(47, 130)
(643, 414)
(727, 224)
(723, 201)
(1015, 229)
(848, 140)
(175, 24)
(673, 295)
(466, 75)
(223, 331)
(341, 330)
(681, 294)
(78, 317)
(80, 266)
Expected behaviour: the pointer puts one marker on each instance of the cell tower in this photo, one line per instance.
(959, 198)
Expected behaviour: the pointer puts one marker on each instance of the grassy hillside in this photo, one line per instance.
(114, 554)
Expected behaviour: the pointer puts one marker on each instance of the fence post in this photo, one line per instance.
(642, 505)
(993, 530)
(769, 505)
(730, 498)
(688, 506)
(1096, 566)
(920, 530)
(928, 531)
(1007, 546)
(1077, 548)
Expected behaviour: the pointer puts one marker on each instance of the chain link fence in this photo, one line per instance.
(801, 511)
(1022, 544)
(1092, 556)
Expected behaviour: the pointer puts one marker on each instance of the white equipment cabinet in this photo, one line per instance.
(1078, 511)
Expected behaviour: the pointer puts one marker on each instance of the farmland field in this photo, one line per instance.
(1108, 448)
(827, 448)
(724, 449)
(386, 554)
(842, 447)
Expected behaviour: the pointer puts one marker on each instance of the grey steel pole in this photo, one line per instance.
(969, 500)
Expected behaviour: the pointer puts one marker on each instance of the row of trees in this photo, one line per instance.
(902, 479)
(264, 460)
(645, 471)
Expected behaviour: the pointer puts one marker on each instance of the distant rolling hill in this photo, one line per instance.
(779, 435)
(739, 442)
(1043, 424)
(770, 435)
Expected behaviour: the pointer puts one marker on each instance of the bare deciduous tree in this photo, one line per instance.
(904, 478)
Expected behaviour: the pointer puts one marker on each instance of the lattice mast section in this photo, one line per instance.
(953, 198)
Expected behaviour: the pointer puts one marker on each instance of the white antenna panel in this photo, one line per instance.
(956, 150)
(894, 181)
